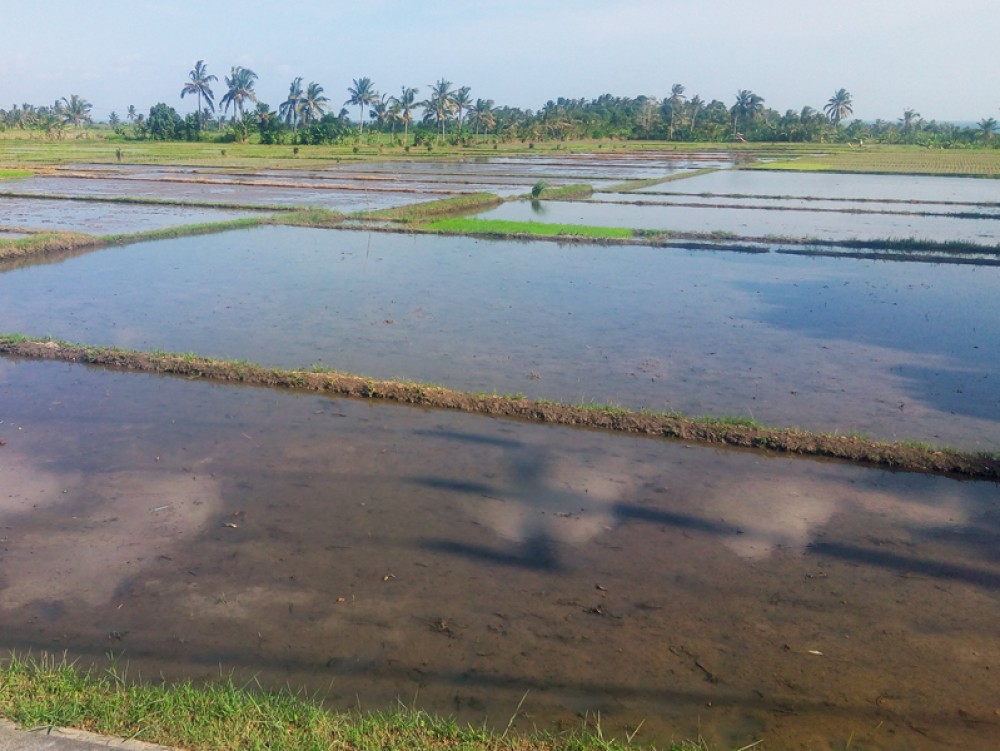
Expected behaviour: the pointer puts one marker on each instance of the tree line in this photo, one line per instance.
(449, 112)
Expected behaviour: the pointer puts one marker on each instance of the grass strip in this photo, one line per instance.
(42, 243)
(708, 430)
(421, 212)
(541, 191)
(186, 230)
(504, 228)
(311, 217)
(47, 692)
(14, 174)
(631, 185)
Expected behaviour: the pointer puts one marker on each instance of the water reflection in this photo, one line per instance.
(371, 553)
(786, 340)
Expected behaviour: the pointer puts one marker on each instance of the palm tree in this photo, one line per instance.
(748, 106)
(381, 113)
(910, 120)
(484, 116)
(113, 120)
(199, 85)
(694, 107)
(74, 110)
(313, 103)
(405, 101)
(675, 101)
(987, 128)
(131, 114)
(239, 85)
(461, 101)
(840, 106)
(291, 109)
(440, 105)
(362, 93)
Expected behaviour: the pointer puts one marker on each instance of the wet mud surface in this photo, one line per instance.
(371, 554)
(896, 350)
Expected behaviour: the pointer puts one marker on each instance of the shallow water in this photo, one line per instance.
(368, 554)
(753, 222)
(338, 200)
(897, 350)
(807, 204)
(105, 218)
(833, 185)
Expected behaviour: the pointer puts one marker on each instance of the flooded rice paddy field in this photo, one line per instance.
(96, 218)
(220, 191)
(895, 350)
(370, 554)
(752, 222)
(373, 553)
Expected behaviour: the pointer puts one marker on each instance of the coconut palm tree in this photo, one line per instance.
(676, 102)
(406, 101)
(694, 107)
(910, 120)
(987, 129)
(239, 90)
(461, 101)
(200, 86)
(131, 114)
(75, 110)
(748, 106)
(381, 113)
(290, 110)
(484, 116)
(440, 105)
(313, 104)
(840, 106)
(362, 94)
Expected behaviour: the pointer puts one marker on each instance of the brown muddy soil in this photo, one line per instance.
(367, 553)
(901, 456)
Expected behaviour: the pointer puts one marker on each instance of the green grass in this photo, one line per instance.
(543, 191)
(421, 212)
(186, 230)
(631, 185)
(503, 228)
(13, 174)
(225, 716)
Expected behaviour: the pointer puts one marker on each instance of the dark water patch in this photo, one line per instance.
(696, 332)
(372, 554)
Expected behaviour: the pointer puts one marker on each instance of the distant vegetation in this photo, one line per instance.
(450, 114)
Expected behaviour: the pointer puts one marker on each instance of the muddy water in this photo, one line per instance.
(754, 222)
(896, 350)
(104, 218)
(368, 554)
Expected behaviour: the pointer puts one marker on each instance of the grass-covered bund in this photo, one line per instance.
(45, 692)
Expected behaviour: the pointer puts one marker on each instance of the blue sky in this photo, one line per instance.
(935, 56)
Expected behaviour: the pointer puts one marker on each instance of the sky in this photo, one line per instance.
(937, 57)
